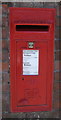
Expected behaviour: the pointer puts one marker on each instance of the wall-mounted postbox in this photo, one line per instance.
(31, 58)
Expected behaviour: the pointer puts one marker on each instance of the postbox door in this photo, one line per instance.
(31, 83)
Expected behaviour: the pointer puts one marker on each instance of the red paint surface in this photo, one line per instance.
(31, 92)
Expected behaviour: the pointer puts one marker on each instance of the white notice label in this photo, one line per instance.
(30, 62)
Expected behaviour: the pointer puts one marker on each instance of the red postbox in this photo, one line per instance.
(31, 58)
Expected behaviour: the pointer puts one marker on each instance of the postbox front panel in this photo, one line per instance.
(31, 74)
(31, 59)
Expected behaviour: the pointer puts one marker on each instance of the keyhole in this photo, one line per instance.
(22, 78)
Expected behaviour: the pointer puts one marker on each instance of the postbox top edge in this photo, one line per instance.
(29, 8)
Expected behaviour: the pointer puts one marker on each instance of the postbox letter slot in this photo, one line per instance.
(32, 28)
